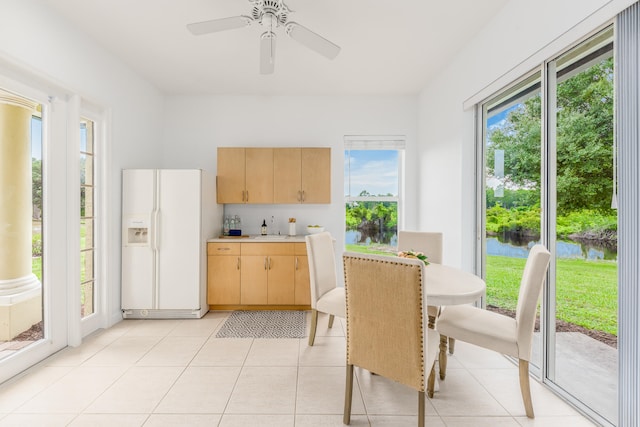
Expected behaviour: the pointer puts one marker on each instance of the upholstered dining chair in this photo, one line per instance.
(326, 296)
(387, 330)
(429, 243)
(502, 333)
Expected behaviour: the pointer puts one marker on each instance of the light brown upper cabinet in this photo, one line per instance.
(245, 175)
(259, 175)
(230, 175)
(302, 175)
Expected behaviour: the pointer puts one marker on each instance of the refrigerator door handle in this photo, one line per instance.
(155, 219)
(152, 231)
(157, 230)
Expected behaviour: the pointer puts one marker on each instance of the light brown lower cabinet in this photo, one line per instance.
(223, 273)
(302, 292)
(257, 275)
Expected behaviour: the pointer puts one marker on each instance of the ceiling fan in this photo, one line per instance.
(271, 14)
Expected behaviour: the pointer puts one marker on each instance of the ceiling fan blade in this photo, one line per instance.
(267, 52)
(222, 24)
(312, 40)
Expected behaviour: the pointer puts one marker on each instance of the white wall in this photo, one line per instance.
(41, 50)
(524, 34)
(195, 126)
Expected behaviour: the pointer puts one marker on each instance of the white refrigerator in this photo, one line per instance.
(167, 217)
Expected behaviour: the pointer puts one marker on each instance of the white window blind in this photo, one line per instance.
(627, 117)
(366, 142)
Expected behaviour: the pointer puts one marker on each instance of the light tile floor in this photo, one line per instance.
(176, 373)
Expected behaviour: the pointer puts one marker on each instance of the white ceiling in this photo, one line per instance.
(388, 47)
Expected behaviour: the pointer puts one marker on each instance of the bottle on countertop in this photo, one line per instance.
(263, 229)
(226, 226)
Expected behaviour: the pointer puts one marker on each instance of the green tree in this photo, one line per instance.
(357, 213)
(584, 141)
(36, 184)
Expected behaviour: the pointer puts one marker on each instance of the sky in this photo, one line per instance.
(498, 119)
(36, 138)
(375, 171)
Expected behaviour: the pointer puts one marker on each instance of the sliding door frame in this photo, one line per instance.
(548, 201)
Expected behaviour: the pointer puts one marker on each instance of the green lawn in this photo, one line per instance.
(36, 267)
(586, 291)
(364, 249)
(36, 262)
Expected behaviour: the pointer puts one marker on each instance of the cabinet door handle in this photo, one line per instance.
(296, 263)
(224, 249)
(299, 196)
(304, 195)
(238, 265)
(247, 196)
(265, 263)
(269, 263)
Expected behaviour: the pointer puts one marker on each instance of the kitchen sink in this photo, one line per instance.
(272, 237)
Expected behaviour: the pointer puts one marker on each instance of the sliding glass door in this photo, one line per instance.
(512, 179)
(548, 157)
(582, 299)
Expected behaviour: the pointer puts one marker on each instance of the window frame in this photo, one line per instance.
(380, 143)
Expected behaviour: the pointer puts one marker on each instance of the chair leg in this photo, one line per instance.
(314, 325)
(452, 345)
(523, 366)
(421, 409)
(348, 394)
(432, 322)
(431, 382)
(331, 317)
(442, 357)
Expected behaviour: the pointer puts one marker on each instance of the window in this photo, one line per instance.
(24, 321)
(87, 218)
(373, 177)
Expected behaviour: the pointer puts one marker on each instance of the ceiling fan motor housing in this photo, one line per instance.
(275, 10)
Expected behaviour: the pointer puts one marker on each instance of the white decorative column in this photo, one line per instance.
(20, 289)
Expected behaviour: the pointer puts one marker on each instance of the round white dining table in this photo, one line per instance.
(451, 286)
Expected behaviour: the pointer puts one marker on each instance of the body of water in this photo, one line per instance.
(564, 248)
(510, 246)
(355, 237)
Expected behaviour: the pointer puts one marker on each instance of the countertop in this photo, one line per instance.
(259, 239)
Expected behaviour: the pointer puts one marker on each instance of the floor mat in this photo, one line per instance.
(264, 324)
